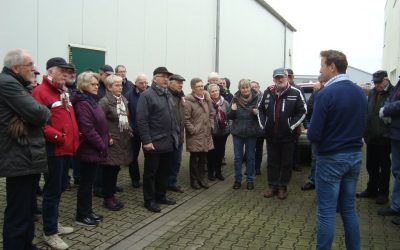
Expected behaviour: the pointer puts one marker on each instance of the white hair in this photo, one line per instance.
(14, 57)
(213, 75)
(140, 76)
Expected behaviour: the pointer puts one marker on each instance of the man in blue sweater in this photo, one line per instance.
(337, 127)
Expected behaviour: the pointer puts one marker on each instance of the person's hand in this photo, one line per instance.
(255, 111)
(234, 106)
(387, 120)
(16, 127)
(110, 142)
(148, 147)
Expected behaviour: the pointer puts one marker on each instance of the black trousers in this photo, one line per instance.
(134, 166)
(378, 167)
(259, 152)
(84, 195)
(110, 175)
(280, 163)
(215, 156)
(197, 166)
(155, 177)
(18, 227)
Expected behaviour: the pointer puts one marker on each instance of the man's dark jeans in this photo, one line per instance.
(18, 227)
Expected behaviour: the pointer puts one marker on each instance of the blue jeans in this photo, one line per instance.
(250, 145)
(336, 183)
(311, 177)
(54, 181)
(175, 167)
(396, 174)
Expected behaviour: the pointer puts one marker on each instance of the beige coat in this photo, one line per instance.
(199, 123)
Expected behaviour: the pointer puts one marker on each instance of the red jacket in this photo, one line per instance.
(61, 132)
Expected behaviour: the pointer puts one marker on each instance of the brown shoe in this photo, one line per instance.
(282, 194)
(177, 189)
(269, 193)
(382, 199)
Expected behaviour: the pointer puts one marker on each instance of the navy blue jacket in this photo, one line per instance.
(133, 96)
(339, 118)
(392, 109)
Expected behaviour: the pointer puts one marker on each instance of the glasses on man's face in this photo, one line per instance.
(30, 65)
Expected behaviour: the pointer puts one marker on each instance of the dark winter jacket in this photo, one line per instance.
(281, 114)
(92, 124)
(16, 158)
(120, 152)
(375, 130)
(392, 109)
(156, 119)
(178, 100)
(127, 86)
(61, 131)
(244, 121)
(133, 97)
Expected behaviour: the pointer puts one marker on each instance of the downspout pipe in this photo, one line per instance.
(284, 46)
(217, 36)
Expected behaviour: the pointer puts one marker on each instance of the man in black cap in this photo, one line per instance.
(378, 146)
(104, 71)
(23, 155)
(175, 88)
(62, 141)
(159, 133)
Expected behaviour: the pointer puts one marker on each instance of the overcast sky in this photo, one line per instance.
(354, 27)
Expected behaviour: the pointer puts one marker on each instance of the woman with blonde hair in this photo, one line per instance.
(245, 129)
(115, 107)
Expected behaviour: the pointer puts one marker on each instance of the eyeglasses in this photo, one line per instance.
(30, 65)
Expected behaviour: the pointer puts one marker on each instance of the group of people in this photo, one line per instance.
(97, 122)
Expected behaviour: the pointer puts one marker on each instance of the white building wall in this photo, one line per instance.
(391, 48)
(144, 34)
(251, 42)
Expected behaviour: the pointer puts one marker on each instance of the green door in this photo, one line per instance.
(86, 59)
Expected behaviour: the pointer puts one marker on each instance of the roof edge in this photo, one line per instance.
(276, 14)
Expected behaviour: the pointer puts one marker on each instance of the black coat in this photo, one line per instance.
(281, 115)
(156, 120)
(17, 158)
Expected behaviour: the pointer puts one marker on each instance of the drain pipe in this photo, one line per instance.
(217, 36)
(284, 47)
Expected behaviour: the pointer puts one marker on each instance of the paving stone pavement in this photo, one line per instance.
(217, 218)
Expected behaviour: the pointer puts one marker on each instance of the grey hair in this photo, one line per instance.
(211, 86)
(194, 81)
(14, 57)
(140, 75)
(213, 75)
(244, 82)
(111, 79)
(84, 80)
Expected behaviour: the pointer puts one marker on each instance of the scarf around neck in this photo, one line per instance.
(123, 123)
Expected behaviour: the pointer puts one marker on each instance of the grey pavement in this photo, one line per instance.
(217, 218)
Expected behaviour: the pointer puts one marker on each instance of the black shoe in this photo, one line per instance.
(98, 193)
(203, 184)
(96, 217)
(86, 221)
(250, 185)
(297, 168)
(396, 221)
(136, 184)
(388, 212)
(166, 201)
(237, 185)
(119, 189)
(220, 177)
(211, 178)
(152, 207)
(366, 194)
(258, 172)
(308, 186)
